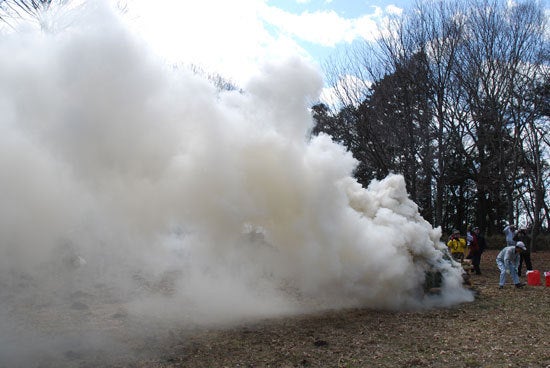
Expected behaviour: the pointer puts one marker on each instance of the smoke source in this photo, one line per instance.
(132, 191)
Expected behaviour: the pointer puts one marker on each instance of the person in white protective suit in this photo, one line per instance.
(508, 262)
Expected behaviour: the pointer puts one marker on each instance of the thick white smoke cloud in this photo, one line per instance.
(121, 176)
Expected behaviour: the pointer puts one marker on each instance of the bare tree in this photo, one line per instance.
(500, 58)
(47, 15)
(12, 11)
(482, 60)
(435, 27)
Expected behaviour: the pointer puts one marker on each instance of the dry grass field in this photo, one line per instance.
(501, 328)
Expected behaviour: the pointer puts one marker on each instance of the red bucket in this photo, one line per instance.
(547, 277)
(533, 278)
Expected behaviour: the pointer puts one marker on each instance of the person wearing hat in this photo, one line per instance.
(508, 261)
(457, 246)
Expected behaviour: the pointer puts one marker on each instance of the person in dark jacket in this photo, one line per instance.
(525, 256)
(476, 250)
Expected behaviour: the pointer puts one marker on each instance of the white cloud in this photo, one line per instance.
(324, 28)
(392, 9)
(234, 38)
(226, 37)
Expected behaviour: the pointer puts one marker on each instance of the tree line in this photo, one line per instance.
(455, 97)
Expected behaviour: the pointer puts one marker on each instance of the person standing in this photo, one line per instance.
(457, 246)
(480, 239)
(508, 261)
(510, 232)
(469, 236)
(477, 246)
(525, 256)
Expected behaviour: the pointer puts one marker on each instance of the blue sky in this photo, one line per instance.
(345, 8)
(234, 38)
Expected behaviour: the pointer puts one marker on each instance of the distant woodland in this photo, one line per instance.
(455, 96)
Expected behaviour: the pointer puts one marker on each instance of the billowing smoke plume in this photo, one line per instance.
(127, 183)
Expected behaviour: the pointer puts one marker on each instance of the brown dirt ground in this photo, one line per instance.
(501, 328)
